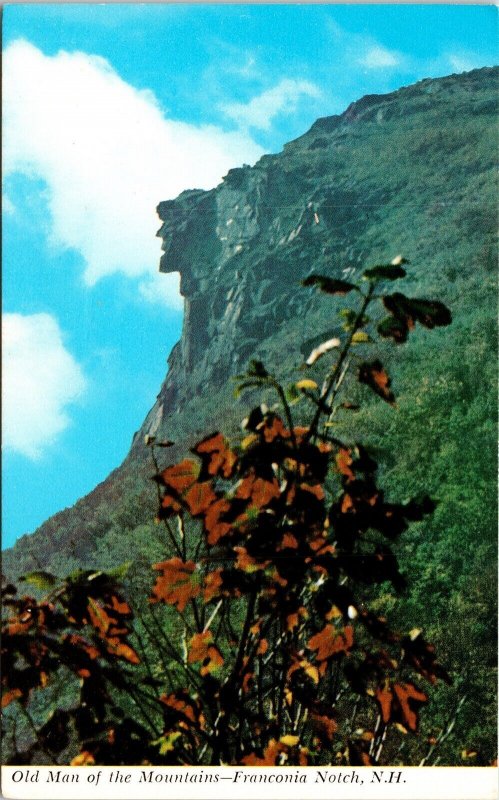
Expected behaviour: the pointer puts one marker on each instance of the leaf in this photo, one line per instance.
(178, 583)
(390, 272)
(199, 498)
(361, 337)
(83, 759)
(399, 703)
(40, 579)
(394, 328)
(384, 698)
(258, 491)
(270, 755)
(374, 375)
(213, 582)
(324, 727)
(201, 648)
(329, 285)
(8, 697)
(409, 699)
(217, 457)
(306, 383)
(319, 351)
(429, 313)
(167, 741)
(330, 642)
(214, 523)
(289, 740)
(180, 477)
(344, 461)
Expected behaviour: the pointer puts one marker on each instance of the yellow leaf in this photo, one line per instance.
(361, 337)
(306, 383)
(289, 741)
(249, 440)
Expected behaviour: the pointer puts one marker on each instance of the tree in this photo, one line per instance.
(258, 645)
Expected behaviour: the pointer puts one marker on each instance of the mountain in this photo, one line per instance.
(410, 172)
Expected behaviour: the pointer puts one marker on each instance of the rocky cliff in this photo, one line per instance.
(410, 172)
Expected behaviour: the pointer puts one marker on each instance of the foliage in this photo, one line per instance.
(270, 649)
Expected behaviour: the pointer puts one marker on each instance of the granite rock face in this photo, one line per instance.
(410, 172)
(326, 202)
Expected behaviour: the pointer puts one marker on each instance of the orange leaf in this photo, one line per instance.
(214, 526)
(176, 585)
(375, 376)
(217, 457)
(202, 649)
(343, 462)
(123, 650)
(316, 490)
(408, 695)
(180, 476)
(259, 491)
(199, 498)
(212, 583)
(246, 562)
(8, 697)
(120, 606)
(273, 428)
(384, 698)
(83, 759)
(289, 541)
(324, 726)
(330, 642)
(263, 646)
(270, 755)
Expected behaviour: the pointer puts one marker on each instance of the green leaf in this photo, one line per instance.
(40, 579)
(329, 285)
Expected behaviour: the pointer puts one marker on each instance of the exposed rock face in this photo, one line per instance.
(408, 172)
(326, 203)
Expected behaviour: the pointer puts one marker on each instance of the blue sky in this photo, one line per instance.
(107, 111)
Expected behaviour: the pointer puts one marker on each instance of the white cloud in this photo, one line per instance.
(40, 378)
(107, 154)
(281, 99)
(378, 57)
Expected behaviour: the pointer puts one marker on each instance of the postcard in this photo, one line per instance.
(249, 348)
